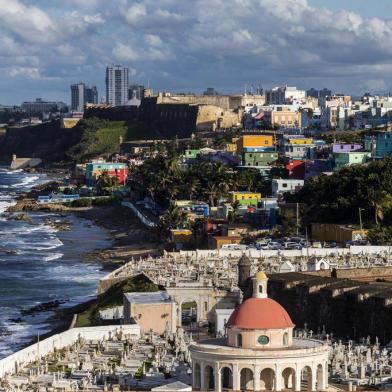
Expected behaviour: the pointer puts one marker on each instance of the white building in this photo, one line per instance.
(117, 81)
(280, 186)
(318, 264)
(283, 95)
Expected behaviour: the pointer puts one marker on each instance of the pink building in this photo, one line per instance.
(151, 311)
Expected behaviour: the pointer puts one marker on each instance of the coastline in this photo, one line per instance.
(129, 238)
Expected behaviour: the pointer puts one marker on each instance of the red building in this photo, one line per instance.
(296, 169)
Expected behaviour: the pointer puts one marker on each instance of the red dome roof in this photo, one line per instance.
(260, 313)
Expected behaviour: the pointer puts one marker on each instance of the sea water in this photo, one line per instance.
(39, 264)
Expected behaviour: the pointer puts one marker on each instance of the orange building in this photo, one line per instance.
(252, 141)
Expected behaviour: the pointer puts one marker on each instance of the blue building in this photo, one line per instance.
(384, 144)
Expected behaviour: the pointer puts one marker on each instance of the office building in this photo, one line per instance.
(117, 82)
(39, 107)
(135, 91)
(81, 95)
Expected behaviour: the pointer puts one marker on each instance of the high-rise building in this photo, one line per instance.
(117, 81)
(82, 94)
(318, 93)
(135, 91)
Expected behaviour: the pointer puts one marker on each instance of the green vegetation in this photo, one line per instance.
(101, 138)
(114, 297)
(162, 179)
(338, 198)
(96, 202)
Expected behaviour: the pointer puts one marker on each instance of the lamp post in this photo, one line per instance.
(360, 218)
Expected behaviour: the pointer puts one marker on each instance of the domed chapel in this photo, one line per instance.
(259, 352)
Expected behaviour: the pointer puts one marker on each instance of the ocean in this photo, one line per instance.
(39, 264)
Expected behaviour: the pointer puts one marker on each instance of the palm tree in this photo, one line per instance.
(381, 202)
(173, 218)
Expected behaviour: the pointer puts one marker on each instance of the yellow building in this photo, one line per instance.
(183, 236)
(249, 141)
(336, 233)
(232, 146)
(286, 118)
(301, 141)
(245, 198)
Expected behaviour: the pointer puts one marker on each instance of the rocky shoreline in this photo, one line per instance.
(130, 239)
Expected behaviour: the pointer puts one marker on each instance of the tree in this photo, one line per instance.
(106, 182)
(382, 203)
(173, 218)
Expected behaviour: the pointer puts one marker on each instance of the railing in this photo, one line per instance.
(139, 214)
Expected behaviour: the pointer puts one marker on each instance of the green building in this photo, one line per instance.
(350, 158)
(191, 154)
(262, 158)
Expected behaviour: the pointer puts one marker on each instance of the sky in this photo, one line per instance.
(188, 45)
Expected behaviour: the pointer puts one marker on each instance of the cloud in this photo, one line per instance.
(28, 72)
(187, 45)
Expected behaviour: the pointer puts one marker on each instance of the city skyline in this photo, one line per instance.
(45, 48)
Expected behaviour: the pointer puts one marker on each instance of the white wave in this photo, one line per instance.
(26, 182)
(11, 172)
(51, 245)
(53, 256)
(4, 205)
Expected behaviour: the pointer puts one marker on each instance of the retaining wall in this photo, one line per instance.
(10, 364)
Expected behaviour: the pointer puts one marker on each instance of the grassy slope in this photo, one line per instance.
(114, 297)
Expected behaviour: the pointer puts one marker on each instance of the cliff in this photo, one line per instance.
(47, 141)
(52, 143)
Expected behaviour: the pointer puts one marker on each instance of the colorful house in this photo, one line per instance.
(245, 198)
(266, 141)
(350, 158)
(259, 158)
(191, 154)
(113, 169)
(193, 208)
(346, 147)
(296, 169)
(298, 147)
(384, 144)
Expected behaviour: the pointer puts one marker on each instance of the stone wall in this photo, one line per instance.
(363, 274)
(347, 308)
(226, 102)
(168, 120)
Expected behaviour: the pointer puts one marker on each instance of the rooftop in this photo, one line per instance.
(148, 298)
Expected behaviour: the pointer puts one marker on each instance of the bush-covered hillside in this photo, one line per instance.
(337, 198)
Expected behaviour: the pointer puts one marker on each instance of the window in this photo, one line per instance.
(205, 306)
(285, 339)
(284, 185)
(260, 289)
(239, 340)
(263, 339)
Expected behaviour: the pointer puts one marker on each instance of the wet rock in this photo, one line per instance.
(43, 307)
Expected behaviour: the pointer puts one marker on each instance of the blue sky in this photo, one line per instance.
(179, 45)
(375, 8)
